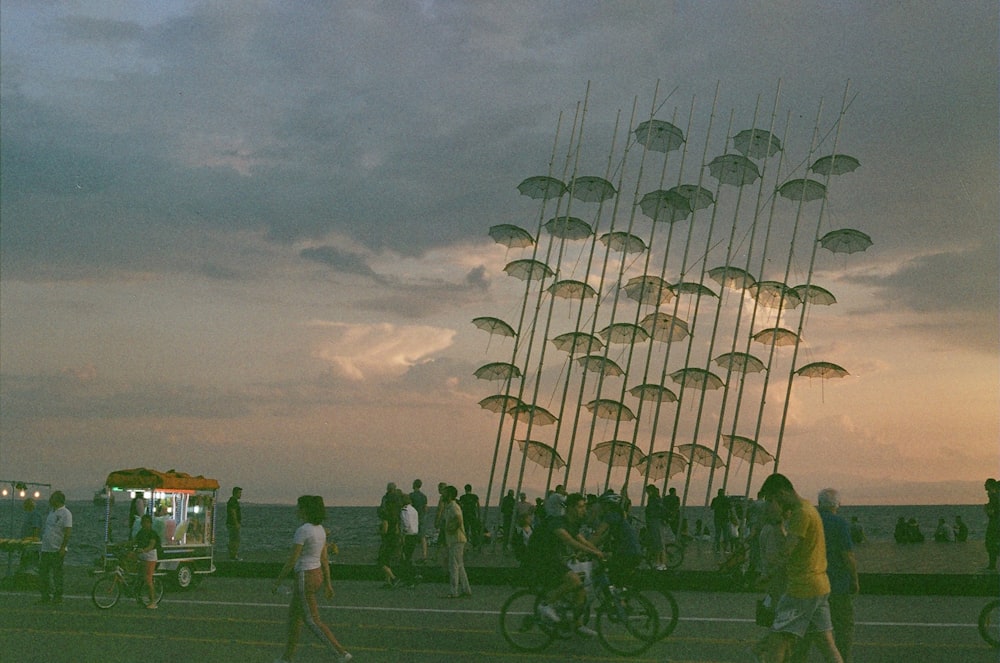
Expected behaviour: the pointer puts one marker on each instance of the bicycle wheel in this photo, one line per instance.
(666, 610)
(675, 555)
(989, 623)
(142, 592)
(627, 624)
(521, 625)
(106, 591)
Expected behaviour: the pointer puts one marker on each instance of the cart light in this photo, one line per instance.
(4, 492)
(37, 494)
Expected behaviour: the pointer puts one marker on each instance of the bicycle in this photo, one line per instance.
(674, 550)
(989, 623)
(627, 622)
(124, 578)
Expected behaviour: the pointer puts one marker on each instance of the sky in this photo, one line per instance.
(247, 239)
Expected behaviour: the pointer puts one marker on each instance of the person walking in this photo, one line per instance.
(55, 538)
(992, 539)
(148, 543)
(804, 607)
(234, 523)
(455, 538)
(309, 560)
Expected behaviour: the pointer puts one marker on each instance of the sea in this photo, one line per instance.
(268, 528)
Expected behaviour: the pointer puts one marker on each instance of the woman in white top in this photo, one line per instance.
(312, 571)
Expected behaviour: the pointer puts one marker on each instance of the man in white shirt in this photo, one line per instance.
(55, 537)
(409, 527)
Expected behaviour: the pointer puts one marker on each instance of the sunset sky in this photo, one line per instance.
(247, 239)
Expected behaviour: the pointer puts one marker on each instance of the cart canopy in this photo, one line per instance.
(142, 477)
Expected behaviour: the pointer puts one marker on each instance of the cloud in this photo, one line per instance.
(377, 351)
(339, 260)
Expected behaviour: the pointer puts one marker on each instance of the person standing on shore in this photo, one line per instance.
(804, 607)
(721, 517)
(148, 542)
(311, 564)
(234, 523)
(992, 487)
(419, 501)
(454, 528)
(55, 538)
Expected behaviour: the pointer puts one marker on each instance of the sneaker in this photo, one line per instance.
(586, 631)
(547, 611)
(345, 657)
(152, 606)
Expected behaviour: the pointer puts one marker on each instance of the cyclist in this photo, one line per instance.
(546, 559)
(614, 533)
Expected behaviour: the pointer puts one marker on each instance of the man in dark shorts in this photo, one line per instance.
(546, 559)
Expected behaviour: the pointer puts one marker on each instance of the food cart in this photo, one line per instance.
(183, 511)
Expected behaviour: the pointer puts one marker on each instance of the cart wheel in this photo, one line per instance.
(184, 577)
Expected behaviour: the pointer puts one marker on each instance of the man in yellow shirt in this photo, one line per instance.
(804, 607)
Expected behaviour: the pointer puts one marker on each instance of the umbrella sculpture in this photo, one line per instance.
(697, 378)
(574, 342)
(733, 278)
(845, 240)
(623, 332)
(734, 169)
(542, 187)
(571, 289)
(528, 269)
(774, 294)
(692, 288)
(618, 453)
(805, 190)
(659, 136)
(664, 327)
(623, 241)
(511, 236)
(498, 370)
(697, 196)
(541, 453)
(499, 403)
(657, 462)
(699, 454)
(777, 335)
(813, 294)
(598, 364)
(592, 189)
(494, 326)
(740, 361)
(756, 143)
(534, 414)
(653, 392)
(746, 449)
(568, 227)
(648, 289)
(822, 369)
(669, 206)
(607, 408)
(835, 164)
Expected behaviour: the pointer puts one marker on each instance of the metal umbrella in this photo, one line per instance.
(699, 454)
(511, 236)
(648, 289)
(733, 278)
(653, 392)
(746, 449)
(803, 189)
(822, 369)
(541, 453)
(599, 364)
(623, 332)
(536, 415)
(774, 294)
(740, 362)
(692, 288)
(813, 294)
(835, 164)
(574, 342)
(568, 227)
(734, 169)
(697, 196)
(659, 136)
(655, 464)
(845, 240)
(623, 241)
(499, 403)
(777, 335)
(570, 289)
(494, 326)
(669, 206)
(664, 327)
(592, 189)
(756, 143)
(542, 187)
(618, 453)
(607, 408)
(498, 370)
(528, 269)
(697, 378)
